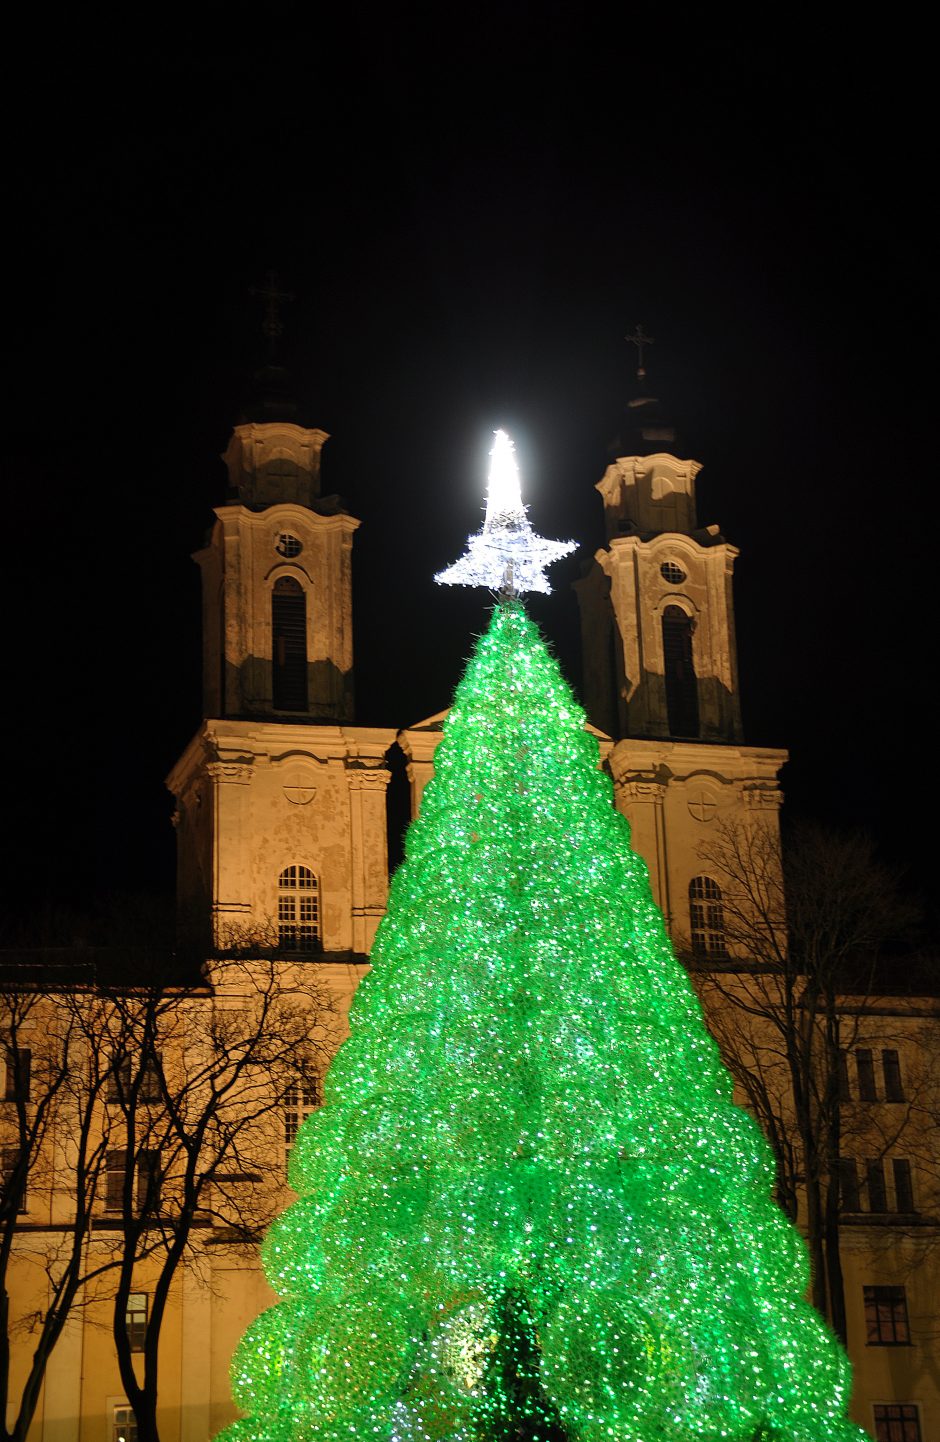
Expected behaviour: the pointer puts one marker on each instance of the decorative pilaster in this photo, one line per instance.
(368, 852)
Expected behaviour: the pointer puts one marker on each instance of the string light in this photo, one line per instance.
(528, 1207)
(507, 555)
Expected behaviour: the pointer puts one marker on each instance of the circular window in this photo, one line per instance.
(288, 545)
(671, 572)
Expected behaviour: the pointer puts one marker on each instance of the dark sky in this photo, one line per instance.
(471, 221)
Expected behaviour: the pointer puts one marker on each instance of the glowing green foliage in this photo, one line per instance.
(529, 1208)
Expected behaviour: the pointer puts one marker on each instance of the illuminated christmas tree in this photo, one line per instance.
(528, 1208)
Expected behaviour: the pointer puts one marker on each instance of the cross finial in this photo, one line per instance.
(639, 338)
(272, 324)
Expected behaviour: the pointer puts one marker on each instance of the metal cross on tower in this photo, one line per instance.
(639, 338)
(272, 325)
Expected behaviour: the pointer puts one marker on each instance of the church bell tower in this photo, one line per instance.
(661, 671)
(281, 818)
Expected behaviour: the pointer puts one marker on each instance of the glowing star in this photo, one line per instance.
(507, 555)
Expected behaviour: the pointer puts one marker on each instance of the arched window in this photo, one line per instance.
(298, 909)
(707, 922)
(289, 643)
(681, 685)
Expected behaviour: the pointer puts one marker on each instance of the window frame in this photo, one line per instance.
(137, 1330)
(903, 1178)
(289, 646)
(19, 1068)
(299, 912)
(123, 1423)
(706, 919)
(884, 1430)
(115, 1178)
(885, 1308)
(891, 1075)
(9, 1161)
(301, 1099)
(849, 1187)
(865, 1072)
(680, 679)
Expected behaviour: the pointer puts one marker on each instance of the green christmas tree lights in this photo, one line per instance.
(528, 1208)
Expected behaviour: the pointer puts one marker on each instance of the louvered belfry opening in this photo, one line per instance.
(289, 635)
(681, 685)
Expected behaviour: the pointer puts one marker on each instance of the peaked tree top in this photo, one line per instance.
(507, 555)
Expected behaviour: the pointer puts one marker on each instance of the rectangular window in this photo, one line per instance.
(903, 1188)
(119, 1080)
(148, 1181)
(849, 1200)
(845, 1091)
(891, 1067)
(897, 1422)
(115, 1171)
(886, 1317)
(301, 1098)
(123, 1425)
(136, 1320)
(865, 1066)
(9, 1157)
(150, 1079)
(19, 1060)
(877, 1195)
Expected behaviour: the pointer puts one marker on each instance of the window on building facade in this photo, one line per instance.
(115, 1171)
(150, 1079)
(298, 909)
(18, 1081)
(301, 1098)
(886, 1322)
(903, 1185)
(9, 1158)
(891, 1067)
(289, 645)
(681, 684)
(706, 918)
(845, 1091)
(148, 1180)
(875, 1182)
(135, 1320)
(119, 1079)
(123, 1425)
(897, 1422)
(865, 1067)
(849, 1198)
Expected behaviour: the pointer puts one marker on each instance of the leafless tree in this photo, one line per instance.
(804, 926)
(197, 1127)
(54, 1143)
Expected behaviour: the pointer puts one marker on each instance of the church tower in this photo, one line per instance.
(661, 673)
(281, 818)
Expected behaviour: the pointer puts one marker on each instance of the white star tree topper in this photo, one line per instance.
(507, 555)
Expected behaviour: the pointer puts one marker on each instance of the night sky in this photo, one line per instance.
(471, 221)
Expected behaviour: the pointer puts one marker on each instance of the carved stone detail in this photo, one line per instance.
(372, 779)
(300, 795)
(239, 772)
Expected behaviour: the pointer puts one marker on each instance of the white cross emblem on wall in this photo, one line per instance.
(702, 807)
